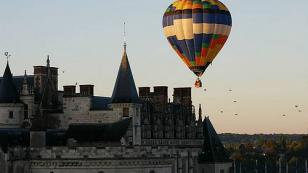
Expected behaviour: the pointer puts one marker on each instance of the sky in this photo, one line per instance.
(264, 62)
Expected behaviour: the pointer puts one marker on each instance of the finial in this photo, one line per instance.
(7, 56)
(25, 77)
(48, 61)
(125, 36)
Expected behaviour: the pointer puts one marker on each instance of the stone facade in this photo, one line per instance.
(161, 137)
(117, 159)
(12, 115)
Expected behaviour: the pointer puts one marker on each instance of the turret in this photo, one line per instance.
(200, 124)
(125, 101)
(11, 108)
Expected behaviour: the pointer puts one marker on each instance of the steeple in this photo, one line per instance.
(213, 150)
(48, 61)
(25, 89)
(200, 113)
(125, 89)
(8, 91)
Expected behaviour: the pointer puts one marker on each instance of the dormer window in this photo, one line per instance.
(11, 115)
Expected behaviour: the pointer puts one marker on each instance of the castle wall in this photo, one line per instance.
(106, 116)
(11, 115)
(215, 168)
(137, 159)
(78, 110)
(102, 166)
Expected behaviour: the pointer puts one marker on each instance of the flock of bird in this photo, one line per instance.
(297, 108)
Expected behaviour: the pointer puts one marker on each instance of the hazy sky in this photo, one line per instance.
(265, 61)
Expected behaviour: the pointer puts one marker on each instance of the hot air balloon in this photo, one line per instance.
(197, 30)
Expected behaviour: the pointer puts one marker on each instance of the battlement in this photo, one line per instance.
(159, 95)
(85, 90)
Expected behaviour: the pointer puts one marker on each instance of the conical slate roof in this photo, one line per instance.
(213, 150)
(125, 89)
(8, 91)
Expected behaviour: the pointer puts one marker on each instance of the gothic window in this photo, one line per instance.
(125, 112)
(11, 115)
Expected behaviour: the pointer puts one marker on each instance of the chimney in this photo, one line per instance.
(182, 96)
(144, 91)
(69, 90)
(161, 94)
(86, 90)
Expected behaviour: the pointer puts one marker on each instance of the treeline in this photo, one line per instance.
(257, 153)
(244, 138)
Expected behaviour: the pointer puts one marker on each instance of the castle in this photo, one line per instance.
(44, 130)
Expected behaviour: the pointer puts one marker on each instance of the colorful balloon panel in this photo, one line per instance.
(197, 30)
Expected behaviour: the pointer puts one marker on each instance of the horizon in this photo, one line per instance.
(80, 35)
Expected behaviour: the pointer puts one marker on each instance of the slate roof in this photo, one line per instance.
(213, 150)
(8, 91)
(100, 103)
(18, 81)
(125, 89)
(14, 137)
(99, 132)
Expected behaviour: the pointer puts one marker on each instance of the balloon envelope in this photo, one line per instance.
(197, 30)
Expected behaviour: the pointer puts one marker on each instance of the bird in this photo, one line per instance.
(299, 110)
(235, 114)
(234, 101)
(284, 115)
(221, 111)
(296, 106)
(230, 90)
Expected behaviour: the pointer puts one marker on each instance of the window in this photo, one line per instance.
(222, 171)
(125, 112)
(152, 171)
(11, 115)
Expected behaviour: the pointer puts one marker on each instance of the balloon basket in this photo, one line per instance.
(198, 83)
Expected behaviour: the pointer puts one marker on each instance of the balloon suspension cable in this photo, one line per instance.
(198, 83)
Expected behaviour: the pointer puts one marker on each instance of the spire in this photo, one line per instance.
(8, 91)
(25, 90)
(25, 78)
(48, 61)
(125, 89)
(200, 113)
(213, 150)
(124, 45)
